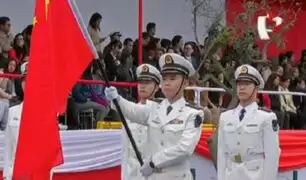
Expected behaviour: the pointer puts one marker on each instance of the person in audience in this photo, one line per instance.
(282, 59)
(152, 48)
(189, 54)
(94, 32)
(290, 58)
(70, 117)
(151, 29)
(4, 99)
(280, 71)
(165, 43)
(272, 84)
(266, 71)
(158, 53)
(6, 38)
(295, 74)
(19, 50)
(115, 36)
(302, 63)
(287, 104)
(170, 50)
(177, 44)
(11, 83)
(300, 102)
(112, 62)
(88, 96)
(127, 59)
(145, 54)
(127, 47)
(148, 84)
(5, 85)
(27, 34)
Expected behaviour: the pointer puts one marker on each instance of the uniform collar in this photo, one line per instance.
(177, 104)
(248, 108)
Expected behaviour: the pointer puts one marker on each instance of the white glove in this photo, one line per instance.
(146, 170)
(111, 93)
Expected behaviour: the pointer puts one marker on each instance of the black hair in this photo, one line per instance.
(176, 39)
(4, 20)
(127, 40)
(165, 43)
(115, 43)
(93, 19)
(150, 26)
(289, 54)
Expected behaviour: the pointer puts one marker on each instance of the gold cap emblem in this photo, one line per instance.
(145, 69)
(244, 70)
(168, 59)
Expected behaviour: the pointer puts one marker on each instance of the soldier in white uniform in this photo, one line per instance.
(148, 84)
(12, 132)
(248, 142)
(174, 127)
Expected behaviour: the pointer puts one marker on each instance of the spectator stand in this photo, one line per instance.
(198, 90)
(86, 118)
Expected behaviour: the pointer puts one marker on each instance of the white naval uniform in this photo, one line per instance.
(248, 149)
(11, 139)
(130, 167)
(172, 138)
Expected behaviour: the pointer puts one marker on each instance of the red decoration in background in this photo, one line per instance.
(295, 37)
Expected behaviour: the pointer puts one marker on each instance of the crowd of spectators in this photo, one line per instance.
(120, 59)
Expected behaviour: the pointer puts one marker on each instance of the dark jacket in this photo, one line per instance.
(115, 69)
(81, 93)
(300, 101)
(275, 102)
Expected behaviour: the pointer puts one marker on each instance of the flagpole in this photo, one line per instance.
(140, 42)
(123, 120)
(140, 25)
(104, 75)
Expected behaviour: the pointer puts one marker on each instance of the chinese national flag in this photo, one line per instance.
(60, 52)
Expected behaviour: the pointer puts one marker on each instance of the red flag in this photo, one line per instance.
(72, 45)
(59, 54)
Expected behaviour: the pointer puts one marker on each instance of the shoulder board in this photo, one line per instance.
(227, 109)
(264, 109)
(158, 100)
(194, 106)
(222, 110)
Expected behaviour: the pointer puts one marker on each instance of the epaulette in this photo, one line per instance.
(264, 109)
(194, 106)
(157, 100)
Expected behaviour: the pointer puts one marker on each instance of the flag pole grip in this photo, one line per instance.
(123, 120)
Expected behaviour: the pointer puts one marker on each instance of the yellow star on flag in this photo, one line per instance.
(47, 2)
(34, 21)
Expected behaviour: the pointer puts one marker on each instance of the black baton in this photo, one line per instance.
(123, 120)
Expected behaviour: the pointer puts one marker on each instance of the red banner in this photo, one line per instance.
(293, 149)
